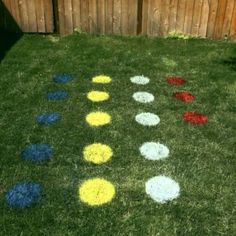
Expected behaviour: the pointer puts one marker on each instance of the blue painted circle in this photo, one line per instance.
(24, 194)
(48, 118)
(37, 152)
(57, 95)
(62, 78)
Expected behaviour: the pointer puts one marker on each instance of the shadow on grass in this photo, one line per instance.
(231, 62)
(10, 32)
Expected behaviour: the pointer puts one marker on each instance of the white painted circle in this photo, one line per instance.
(147, 119)
(162, 189)
(143, 97)
(139, 79)
(154, 151)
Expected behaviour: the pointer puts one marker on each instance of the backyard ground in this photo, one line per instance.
(201, 160)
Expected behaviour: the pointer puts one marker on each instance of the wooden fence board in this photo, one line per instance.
(212, 18)
(173, 15)
(180, 16)
(76, 15)
(205, 18)
(132, 17)
(145, 17)
(32, 16)
(117, 17)
(220, 18)
(233, 24)
(227, 19)
(108, 16)
(69, 27)
(101, 17)
(41, 27)
(165, 17)
(189, 16)
(196, 17)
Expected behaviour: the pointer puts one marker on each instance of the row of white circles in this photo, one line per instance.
(160, 188)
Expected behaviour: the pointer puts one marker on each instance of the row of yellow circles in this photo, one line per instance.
(97, 191)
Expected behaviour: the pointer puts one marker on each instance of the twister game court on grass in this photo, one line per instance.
(117, 136)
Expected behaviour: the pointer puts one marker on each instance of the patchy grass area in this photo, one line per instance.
(202, 158)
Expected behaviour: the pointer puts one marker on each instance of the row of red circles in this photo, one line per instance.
(192, 117)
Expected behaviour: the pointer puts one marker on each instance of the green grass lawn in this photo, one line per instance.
(202, 157)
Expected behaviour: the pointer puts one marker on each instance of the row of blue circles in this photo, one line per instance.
(24, 194)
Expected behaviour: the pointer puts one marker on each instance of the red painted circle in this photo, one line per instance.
(184, 96)
(194, 117)
(175, 80)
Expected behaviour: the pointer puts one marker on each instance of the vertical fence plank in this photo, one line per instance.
(173, 15)
(145, 17)
(76, 15)
(124, 16)
(84, 15)
(48, 13)
(68, 14)
(189, 16)
(180, 16)
(40, 16)
(32, 16)
(117, 17)
(233, 24)
(212, 18)
(204, 18)
(220, 19)
(133, 16)
(165, 17)
(24, 15)
(227, 19)
(61, 16)
(109, 16)
(155, 17)
(101, 16)
(196, 17)
(93, 16)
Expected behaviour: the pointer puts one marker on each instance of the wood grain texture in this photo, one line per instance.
(117, 17)
(205, 18)
(233, 24)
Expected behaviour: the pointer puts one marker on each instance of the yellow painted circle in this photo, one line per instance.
(97, 153)
(101, 79)
(96, 192)
(98, 118)
(98, 96)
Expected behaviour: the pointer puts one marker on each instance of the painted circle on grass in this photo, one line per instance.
(98, 96)
(143, 97)
(154, 151)
(147, 119)
(101, 79)
(98, 118)
(184, 96)
(140, 79)
(48, 118)
(175, 80)
(57, 95)
(24, 194)
(37, 152)
(97, 153)
(62, 78)
(195, 118)
(96, 192)
(162, 189)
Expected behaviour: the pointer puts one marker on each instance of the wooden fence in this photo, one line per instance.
(205, 18)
